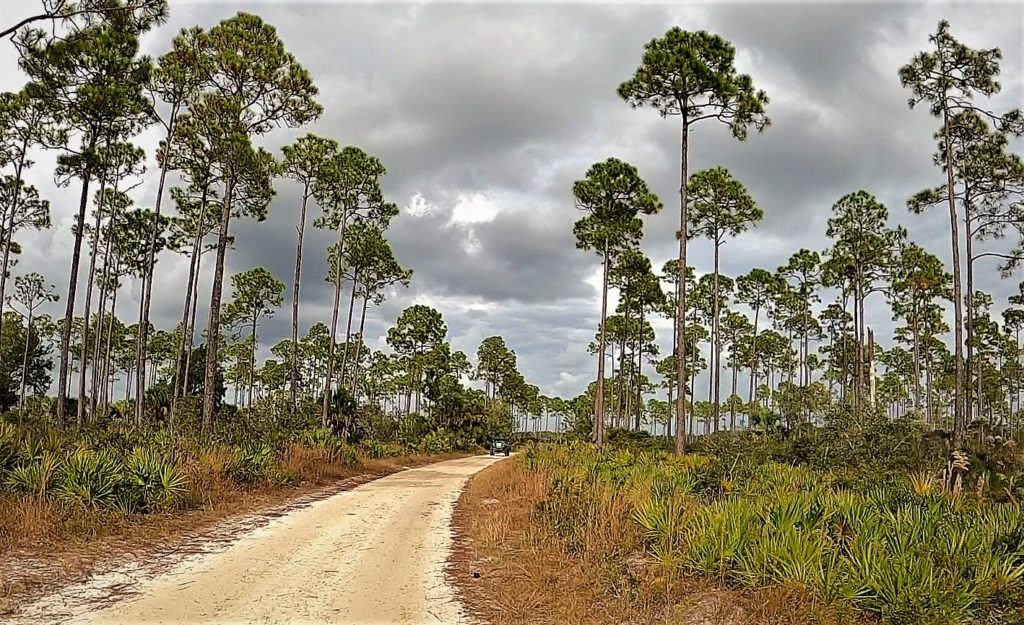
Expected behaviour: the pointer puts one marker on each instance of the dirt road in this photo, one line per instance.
(374, 554)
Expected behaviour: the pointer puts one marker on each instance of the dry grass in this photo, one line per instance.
(45, 545)
(511, 568)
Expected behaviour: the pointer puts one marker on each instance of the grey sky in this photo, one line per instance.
(485, 114)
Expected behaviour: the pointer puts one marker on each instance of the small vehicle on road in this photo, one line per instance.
(499, 446)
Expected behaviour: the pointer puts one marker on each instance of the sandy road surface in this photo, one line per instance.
(374, 554)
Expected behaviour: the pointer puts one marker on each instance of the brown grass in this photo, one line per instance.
(45, 545)
(510, 567)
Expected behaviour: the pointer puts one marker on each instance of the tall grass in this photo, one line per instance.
(903, 549)
(121, 469)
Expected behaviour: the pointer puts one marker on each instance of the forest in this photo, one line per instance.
(109, 420)
(88, 94)
(777, 446)
(820, 475)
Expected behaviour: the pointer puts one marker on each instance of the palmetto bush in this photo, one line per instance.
(334, 448)
(112, 465)
(9, 446)
(252, 463)
(35, 476)
(906, 553)
(88, 477)
(379, 449)
(438, 442)
(151, 480)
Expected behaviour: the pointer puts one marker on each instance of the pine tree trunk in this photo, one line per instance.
(192, 321)
(293, 364)
(69, 313)
(716, 331)
(680, 445)
(188, 307)
(348, 327)
(148, 269)
(753, 357)
(732, 398)
(94, 248)
(213, 329)
(973, 363)
(639, 371)
(959, 414)
(338, 265)
(8, 230)
(599, 399)
(24, 359)
(252, 363)
(102, 327)
(140, 377)
(359, 347)
(109, 349)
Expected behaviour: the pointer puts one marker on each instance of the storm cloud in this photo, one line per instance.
(484, 114)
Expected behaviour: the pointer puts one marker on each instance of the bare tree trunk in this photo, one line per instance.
(293, 364)
(681, 310)
(213, 329)
(88, 304)
(359, 348)
(69, 312)
(188, 308)
(599, 399)
(338, 263)
(348, 327)
(24, 359)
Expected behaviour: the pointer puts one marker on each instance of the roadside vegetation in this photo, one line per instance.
(149, 420)
(852, 522)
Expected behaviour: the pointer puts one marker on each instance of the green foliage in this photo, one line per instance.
(336, 449)
(252, 463)
(88, 477)
(9, 446)
(437, 442)
(152, 479)
(35, 477)
(378, 449)
(879, 547)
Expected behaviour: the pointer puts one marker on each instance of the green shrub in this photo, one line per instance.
(88, 477)
(279, 476)
(906, 557)
(345, 454)
(152, 480)
(251, 463)
(34, 477)
(438, 442)
(378, 449)
(9, 446)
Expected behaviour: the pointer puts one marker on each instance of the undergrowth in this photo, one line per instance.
(906, 545)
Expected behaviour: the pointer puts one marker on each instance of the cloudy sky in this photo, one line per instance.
(484, 115)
